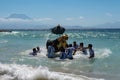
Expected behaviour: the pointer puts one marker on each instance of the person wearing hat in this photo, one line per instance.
(63, 41)
(60, 42)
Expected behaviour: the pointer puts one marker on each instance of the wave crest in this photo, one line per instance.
(25, 72)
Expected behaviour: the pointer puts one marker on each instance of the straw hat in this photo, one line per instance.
(65, 35)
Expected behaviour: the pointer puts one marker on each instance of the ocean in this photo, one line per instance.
(17, 64)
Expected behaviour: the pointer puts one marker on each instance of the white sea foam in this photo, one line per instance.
(79, 54)
(9, 33)
(102, 53)
(99, 53)
(25, 72)
(42, 52)
(13, 32)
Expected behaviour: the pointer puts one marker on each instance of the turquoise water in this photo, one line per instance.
(17, 64)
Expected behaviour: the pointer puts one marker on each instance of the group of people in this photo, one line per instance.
(66, 50)
(84, 49)
(35, 51)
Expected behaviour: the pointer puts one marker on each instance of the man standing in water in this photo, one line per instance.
(91, 51)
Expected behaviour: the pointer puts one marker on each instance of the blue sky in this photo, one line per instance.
(65, 12)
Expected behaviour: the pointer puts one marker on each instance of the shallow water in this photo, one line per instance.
(17, 64)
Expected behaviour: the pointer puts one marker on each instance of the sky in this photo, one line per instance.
(65, 12)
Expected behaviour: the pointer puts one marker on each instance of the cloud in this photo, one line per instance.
(75, 18)
(109, 14)
(14, 20)
(43, 19)
(81, 18)
(24, 20)
(69, 19)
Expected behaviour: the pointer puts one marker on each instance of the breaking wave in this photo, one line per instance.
(25, 72)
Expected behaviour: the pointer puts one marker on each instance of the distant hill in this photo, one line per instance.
(20, 16)
(73, 27)
(108, 25)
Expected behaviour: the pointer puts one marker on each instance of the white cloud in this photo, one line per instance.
(43, 19)
(14, 20)
(81, 18)
(24, 20)
(109, 14)
(75, 18)
(69, 19)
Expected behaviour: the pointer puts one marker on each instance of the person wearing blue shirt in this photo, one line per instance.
(70, 51)
(34, 53)
(62, 53)
(51, 51)
(75, 45)
(83, 49)
(91, 51)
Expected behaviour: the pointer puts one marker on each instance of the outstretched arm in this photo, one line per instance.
(74, 52)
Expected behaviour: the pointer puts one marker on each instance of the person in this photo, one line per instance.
(62, 53)
(34, 53)
(58, 43)
(75, 45)
(69, 51)
(83, 49)
(51, 51)
(48, 43)
(91, 51)
(38, 49)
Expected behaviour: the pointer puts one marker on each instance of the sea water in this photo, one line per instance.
(17, 64)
